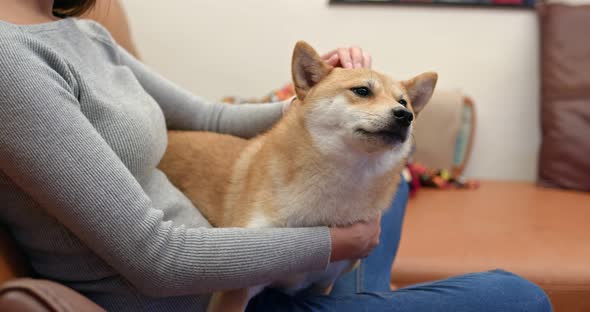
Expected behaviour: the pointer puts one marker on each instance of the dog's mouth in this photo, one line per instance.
(391, 136)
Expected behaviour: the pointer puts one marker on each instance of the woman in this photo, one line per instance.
(82, 129)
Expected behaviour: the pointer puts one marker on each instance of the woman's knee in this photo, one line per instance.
(485, 292)
(517, 293)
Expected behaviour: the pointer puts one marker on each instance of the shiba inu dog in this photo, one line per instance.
(333, 159)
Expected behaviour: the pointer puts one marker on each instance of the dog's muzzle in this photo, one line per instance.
(396, 131)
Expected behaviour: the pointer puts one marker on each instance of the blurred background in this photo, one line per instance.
(216, 48)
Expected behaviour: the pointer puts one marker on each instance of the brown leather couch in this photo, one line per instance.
(541, 234)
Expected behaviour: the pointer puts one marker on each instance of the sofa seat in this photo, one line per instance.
(541, 234)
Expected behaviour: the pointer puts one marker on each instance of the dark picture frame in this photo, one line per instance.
(477, 3)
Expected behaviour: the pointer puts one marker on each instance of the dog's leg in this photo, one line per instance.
(229, 301)
(328, 289)
(325, 287)
(353, 266)
(235, 300)
(322, 288)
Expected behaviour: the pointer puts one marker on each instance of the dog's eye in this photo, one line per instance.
(361, 91)
(403, 102)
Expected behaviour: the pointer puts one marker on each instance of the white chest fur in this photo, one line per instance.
(336, 193)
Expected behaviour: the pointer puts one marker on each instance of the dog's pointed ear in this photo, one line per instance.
(420, 89)
(307, 68)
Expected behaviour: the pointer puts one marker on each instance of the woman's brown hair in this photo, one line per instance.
(67, 8)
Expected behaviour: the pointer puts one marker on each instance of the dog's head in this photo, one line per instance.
(361, 108)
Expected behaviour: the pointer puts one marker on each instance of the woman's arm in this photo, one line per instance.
(185, 111)
(52, 152)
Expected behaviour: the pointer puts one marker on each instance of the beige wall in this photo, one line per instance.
(220, 47)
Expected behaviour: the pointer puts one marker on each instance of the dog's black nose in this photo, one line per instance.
(403, 116)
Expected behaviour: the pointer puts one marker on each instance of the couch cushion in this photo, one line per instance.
(44, 296)
(541, 234)
(451, 115)
(565, 109)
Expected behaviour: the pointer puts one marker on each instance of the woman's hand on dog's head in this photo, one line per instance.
(355, 241)
(351, 57)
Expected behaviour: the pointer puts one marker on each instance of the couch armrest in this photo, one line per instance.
(28, 294)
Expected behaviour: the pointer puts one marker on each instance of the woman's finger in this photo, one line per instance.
(328, 55)
(356, 55)
(332, 60)
(345, 58)
(367, 60)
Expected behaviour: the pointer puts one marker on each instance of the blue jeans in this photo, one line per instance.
(367, 288)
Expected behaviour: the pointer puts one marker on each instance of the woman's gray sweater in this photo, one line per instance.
(82, 129)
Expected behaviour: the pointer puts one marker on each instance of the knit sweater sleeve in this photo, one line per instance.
(185, 111)
(54, 154)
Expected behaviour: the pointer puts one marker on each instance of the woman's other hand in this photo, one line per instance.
(355, 241)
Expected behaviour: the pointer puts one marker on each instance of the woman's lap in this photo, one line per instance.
(368, 287)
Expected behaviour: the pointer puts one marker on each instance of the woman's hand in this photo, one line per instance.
(352, 57)
(355, 241)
